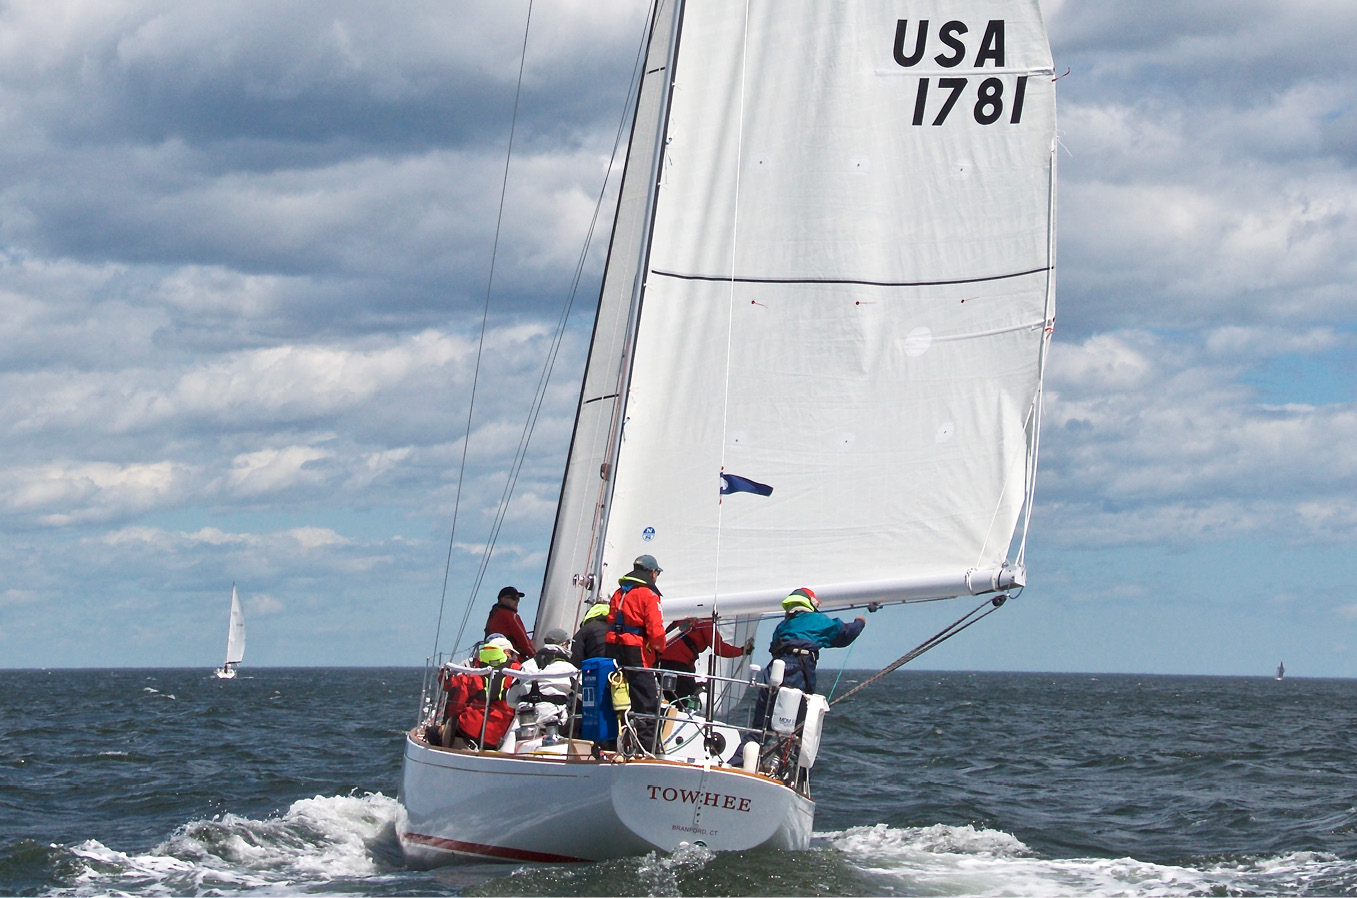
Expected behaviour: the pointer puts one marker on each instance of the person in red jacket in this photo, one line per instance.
(504, 621)
(477, 714)
(693, 638)
(635, 636)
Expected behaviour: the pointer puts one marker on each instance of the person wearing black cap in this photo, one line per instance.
(635, 636)
(504, 620)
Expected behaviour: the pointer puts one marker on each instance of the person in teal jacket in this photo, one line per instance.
(798, 639)
(803, 633)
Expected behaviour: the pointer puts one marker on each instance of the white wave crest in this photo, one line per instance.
(950, 860)
(317, 839)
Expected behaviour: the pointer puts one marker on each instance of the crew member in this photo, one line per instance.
(591, 638)
(694, 637)
(549, 698)
(798, 639)
(803, 632)
(635, 634)
(504, 620)
(477, 714)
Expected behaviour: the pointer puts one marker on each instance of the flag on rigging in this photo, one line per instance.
(731, 483)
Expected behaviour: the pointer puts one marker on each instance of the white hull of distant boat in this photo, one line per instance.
(509, 807)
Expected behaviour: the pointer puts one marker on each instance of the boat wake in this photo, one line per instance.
(348, 843)
(320, 840)
(949, 860)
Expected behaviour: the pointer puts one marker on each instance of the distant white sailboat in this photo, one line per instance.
(1281, 670)
(235, 638)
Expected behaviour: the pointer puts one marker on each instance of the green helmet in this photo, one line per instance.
(495, 651)
(803, 598)
(598, 609)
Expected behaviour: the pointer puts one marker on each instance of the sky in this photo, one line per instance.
(245, 249)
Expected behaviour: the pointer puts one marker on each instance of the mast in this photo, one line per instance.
(573, 567)
(637, 297)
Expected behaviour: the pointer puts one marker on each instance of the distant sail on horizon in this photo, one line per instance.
(235, 638)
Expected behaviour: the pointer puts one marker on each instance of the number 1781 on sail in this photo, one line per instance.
(989, 105)
(989, 101)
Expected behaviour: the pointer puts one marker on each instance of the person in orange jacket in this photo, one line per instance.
(635, 635)
(694, 637)
(477, 713)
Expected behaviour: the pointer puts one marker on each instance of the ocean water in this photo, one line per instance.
(170, 782)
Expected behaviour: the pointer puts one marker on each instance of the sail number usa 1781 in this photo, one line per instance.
(989, 101)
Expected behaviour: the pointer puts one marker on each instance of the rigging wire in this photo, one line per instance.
(480, 343)
(973, 616)
(539, 396)
(743, 664)
(553, 352)
(842, 667)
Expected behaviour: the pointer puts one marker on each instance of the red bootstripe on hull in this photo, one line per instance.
(513, 854)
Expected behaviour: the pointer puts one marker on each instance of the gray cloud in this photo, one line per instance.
(244, 250)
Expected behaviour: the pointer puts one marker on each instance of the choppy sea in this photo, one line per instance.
(283, 781)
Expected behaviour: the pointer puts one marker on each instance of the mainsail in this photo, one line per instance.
(235, 631)
(845, 294)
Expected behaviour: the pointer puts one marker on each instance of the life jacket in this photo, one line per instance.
(620, 630)
(496, 719)
(545, 656)
(634, 617)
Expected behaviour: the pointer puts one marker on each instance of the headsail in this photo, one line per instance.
(848, 297)
(574, 543)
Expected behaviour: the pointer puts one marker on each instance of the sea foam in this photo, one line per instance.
(966, 860)
(319, 839)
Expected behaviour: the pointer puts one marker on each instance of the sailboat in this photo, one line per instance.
(1281, 670)
(817, 360)
(235, 638)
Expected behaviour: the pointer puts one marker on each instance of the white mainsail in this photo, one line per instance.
(847, 296)
(235, 631)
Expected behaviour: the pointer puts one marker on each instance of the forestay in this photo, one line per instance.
(848, 296)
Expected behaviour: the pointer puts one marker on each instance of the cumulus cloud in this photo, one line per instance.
(1156, 440)
(244, 251)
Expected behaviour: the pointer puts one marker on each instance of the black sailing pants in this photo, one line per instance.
(644, 692)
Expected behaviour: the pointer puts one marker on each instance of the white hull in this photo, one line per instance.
(226, 673)
(517, 808)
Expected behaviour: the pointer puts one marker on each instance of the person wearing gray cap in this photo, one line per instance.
(545, 702)
(635, 635)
